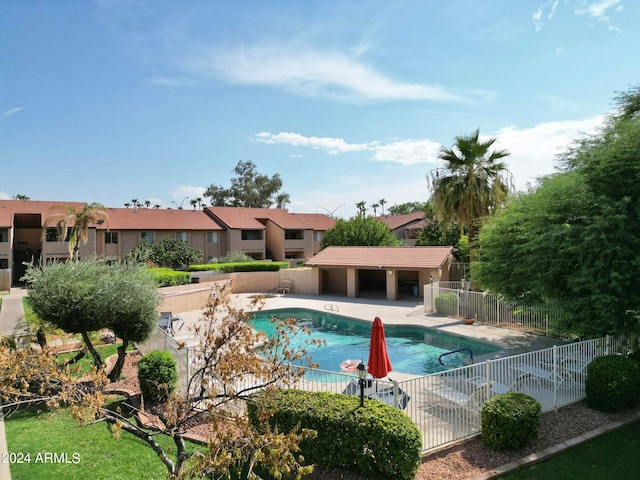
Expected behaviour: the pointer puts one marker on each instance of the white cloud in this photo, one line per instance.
(183, 193)
(534, 150)
(11, 111)
(408, 152)
(4, 196)
(312, 73)
(170, 82)
(333, 146)
(599, 11)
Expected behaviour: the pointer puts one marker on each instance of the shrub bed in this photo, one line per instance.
(510, 421)
(389, 442)
(613, 383)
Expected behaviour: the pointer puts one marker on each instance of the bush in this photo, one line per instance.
(613, 383)
(510, 421)
(158, 375)
(446, 304)
(635, 356)
(166, 277)
(390, 442)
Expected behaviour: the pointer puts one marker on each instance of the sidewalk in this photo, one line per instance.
(12, 311)
(11, 315)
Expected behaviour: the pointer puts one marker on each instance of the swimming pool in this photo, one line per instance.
(412, 349)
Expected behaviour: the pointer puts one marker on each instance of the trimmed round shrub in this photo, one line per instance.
(613, 383)
(510, 421)
(158, 375)
(446, 303)
(372, 441)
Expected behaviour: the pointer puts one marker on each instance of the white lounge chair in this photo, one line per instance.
(380, 391)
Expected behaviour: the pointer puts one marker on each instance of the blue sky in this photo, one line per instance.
(347, 100)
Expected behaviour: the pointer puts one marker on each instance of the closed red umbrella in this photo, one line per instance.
(379, 364)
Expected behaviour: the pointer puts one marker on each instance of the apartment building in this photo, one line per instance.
(215, 231)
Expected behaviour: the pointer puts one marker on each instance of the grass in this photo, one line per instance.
(613, 455)
(98, 455)
(86, 363)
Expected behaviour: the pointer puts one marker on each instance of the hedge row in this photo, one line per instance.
(374, 440)
(166, 277)
(239, 267)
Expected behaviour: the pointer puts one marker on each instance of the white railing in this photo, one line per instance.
(446, 405)
(488, 308)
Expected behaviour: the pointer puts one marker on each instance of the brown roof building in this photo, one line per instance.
(387, 272)
(215, 231)
(405, 227)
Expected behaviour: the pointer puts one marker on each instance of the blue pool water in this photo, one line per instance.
(411, 349)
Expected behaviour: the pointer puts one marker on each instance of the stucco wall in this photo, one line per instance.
(182, 298)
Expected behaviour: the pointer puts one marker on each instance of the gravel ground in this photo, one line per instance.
(459, 462)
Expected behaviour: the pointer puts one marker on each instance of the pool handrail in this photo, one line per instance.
(465, 349)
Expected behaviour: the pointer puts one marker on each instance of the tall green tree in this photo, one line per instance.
(249, 189)
(574, 239)
(472, 183)
(359, 231)
(406, 208)
(77, 222)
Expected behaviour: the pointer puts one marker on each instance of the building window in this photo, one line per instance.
(317, 236)
(51, 235)
(212, 237)
(111, 237)
(4, 235)
(182, 236)
(251, 234)
(148, 236)
(293, 235)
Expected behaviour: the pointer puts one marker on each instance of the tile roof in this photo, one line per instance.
(159, 219)
(8, 208)
(249, 218)
(382, 257)
(397, 221)
(316, 221)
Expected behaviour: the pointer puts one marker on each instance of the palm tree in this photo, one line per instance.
(194, 203)
(361, 208)
(470, 185)
(382, 201)
(375, 208)
(77, 222)
(22, 197)
(147, 203)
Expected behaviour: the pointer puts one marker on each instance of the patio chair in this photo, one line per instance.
(466, 404)
(380, 391)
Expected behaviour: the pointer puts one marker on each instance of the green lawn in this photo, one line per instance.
(91, 451)
(86, 363)
(614, 455)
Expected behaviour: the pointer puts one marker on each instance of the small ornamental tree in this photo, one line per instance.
(89, 295)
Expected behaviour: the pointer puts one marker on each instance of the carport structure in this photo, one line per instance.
(383, 272)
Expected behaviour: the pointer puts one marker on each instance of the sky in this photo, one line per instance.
(112, 100)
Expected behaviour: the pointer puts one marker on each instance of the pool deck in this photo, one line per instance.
(396, 312)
